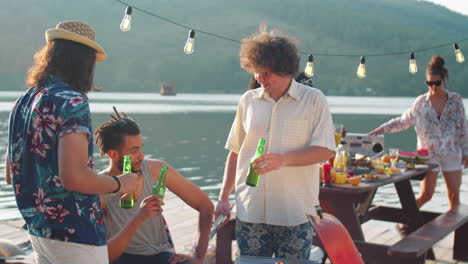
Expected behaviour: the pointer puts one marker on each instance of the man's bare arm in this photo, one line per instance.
(198, 200)
(229, 178)
(229, 181)
(117, 244)
(75, 175)
(307, 156)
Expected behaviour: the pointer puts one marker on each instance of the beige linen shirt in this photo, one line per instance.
(299, 119)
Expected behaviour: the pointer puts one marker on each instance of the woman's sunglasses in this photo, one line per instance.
(436, 83)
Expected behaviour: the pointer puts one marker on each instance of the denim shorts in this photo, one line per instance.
(292, 242)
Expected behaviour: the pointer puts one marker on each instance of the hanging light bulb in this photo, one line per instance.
(413, 67)
(189, 45)
(361, 70)
(458, 54)
(309, 69)
(126, 23)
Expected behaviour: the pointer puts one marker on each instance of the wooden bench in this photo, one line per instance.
(414, 247)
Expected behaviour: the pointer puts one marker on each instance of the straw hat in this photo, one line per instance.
(78, 32)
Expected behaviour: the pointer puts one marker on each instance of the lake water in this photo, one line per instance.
(189, 132)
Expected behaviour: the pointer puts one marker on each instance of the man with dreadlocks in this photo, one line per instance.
(141, 233)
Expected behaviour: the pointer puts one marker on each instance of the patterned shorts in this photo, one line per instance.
(293, 242)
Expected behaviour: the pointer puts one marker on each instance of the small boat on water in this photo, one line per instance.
(167, 88)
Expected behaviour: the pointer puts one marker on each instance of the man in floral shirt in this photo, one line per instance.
(50, 148)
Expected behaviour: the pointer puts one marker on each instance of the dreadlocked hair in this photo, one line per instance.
(110, 134)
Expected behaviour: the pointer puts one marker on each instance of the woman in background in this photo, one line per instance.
(438, 117)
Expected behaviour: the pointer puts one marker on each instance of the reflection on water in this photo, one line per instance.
(189, 131)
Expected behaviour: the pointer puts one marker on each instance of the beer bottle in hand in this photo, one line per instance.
(159, 188)
(127, 168)
(253, 176)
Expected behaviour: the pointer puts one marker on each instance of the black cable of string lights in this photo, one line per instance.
(301, 52)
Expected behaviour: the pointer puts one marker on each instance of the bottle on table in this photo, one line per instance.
(347, 157)
(339, 161)
(159, 188)
(252, 176)
(127, 168)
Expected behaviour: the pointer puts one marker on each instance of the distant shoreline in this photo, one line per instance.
(153, 103)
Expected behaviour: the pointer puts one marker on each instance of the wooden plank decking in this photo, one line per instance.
(183, 223)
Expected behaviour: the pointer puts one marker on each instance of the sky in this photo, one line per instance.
(460, 6)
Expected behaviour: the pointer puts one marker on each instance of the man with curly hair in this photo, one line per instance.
(296, 123)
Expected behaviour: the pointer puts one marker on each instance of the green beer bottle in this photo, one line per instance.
(127, 168)
(159, 188)
(253, 176)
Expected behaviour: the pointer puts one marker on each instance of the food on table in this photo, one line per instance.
(379, 165)
(341, 177)
(332, 175)
(407, 156)
(355, 180)
(374, 176)
(395, 170)
(421, 155)
(385, 158)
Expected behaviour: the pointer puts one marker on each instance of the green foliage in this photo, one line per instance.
(151, 53)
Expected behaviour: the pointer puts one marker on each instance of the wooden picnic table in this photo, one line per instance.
(352, 205)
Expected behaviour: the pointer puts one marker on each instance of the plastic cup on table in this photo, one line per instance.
(339, 129)
(393, 152)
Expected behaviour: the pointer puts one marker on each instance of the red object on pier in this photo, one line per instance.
(335, 239)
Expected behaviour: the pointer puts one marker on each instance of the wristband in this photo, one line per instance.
(118, 184)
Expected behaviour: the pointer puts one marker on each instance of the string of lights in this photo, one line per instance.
(125, 25)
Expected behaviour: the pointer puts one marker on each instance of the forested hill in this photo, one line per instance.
(152, 52)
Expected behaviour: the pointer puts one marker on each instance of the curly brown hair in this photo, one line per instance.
(269, 50)
(71, 61)
(436, 67)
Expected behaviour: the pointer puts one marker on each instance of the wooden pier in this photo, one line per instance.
(183, 224)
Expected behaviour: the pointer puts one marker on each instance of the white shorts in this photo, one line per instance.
(447, 163)
(49, 251)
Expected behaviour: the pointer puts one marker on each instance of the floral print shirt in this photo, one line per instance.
(39, 118)
(446, 135)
